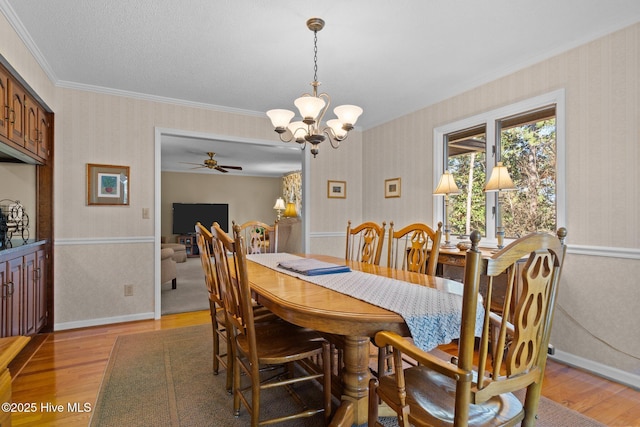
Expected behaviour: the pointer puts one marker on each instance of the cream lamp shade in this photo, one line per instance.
(499, 180)
(447, 185)
(279, 204)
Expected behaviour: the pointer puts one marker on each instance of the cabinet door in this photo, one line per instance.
(28, 296)
(16, 113)
(11, 283)
(43, 134)
(31, 124)
(4, 103)
(41, 289)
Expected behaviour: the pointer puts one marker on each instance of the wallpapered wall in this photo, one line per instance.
(597, 309)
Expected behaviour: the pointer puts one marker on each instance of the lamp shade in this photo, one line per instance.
(279, 204)
(280, 118)
(309, 106)
(348, 114)
(336, 125)
(290, 211)
(499, 180)
(447, 185)
(299, 130)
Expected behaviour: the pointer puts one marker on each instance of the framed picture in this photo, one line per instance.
(392, 187)
(107, 184)
(337, 189)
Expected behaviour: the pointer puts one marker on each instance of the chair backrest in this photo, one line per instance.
(364, 242)
(513, 348)
(414, 248)
(231, 269)
(204, 241)
(259, 237)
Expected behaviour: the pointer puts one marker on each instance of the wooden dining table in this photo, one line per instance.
(352, 321)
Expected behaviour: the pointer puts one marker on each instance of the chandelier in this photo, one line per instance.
(312, 108)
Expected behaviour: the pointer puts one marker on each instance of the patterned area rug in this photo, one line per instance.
(165, 378)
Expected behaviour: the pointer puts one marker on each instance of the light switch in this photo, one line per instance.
(145, 213)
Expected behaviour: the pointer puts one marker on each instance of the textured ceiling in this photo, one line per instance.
(389, 57)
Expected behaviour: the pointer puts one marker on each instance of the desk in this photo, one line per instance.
(355, 321)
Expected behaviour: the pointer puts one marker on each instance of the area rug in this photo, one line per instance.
(191, 292)
(165, 378)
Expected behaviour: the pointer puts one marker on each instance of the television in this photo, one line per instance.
(185, 216)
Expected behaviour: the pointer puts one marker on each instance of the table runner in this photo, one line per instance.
(433, 316)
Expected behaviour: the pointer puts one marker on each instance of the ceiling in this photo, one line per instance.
(389, 57)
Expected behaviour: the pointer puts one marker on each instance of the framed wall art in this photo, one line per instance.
(107, 184)
(337, 189)
(392, 187)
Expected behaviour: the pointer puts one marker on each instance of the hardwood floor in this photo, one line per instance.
(68, 366)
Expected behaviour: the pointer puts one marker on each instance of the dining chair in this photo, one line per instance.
(259, 237)
(460, 393)
(415, 248)
(273, 346)
(364, 242)
(204, 240)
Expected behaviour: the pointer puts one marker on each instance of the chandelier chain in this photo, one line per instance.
(315, 56)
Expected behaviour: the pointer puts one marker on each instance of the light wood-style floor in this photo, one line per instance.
(68, 367)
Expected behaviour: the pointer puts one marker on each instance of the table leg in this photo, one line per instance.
(356, 375)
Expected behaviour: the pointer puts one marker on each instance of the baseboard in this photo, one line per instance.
(613, 374)
(102, 321)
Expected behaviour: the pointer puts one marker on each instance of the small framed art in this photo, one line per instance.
(337, 189)
(107, 184)
(392, 187)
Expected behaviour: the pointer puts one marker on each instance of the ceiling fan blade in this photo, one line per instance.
(198, 167)
(231, 167)
(197, 164)
(218, 168)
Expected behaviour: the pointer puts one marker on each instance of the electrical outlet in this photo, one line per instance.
(551, 349)
(145, 213)
(128, 290)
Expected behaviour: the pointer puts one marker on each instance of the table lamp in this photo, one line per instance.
(446, 186)
(499, 181)
(279, 206)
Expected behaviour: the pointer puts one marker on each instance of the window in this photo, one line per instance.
(528, 138)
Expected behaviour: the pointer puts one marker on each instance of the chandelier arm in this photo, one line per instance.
(327, 99)
(286, 136)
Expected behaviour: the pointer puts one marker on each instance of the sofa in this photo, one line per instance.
(179, 251)
(168, 269)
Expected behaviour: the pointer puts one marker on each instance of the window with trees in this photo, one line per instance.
(527, 138)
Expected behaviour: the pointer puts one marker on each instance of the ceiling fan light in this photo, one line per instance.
(309, 107)
(280, 118)
(348, 114)
(338, 130)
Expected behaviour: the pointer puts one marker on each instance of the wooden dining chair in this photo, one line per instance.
(414, 247)
(364, 242)
(204, 240)
(274, 345)
(260, 238)
(442, 393)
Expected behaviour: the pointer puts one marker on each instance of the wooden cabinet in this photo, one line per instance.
(23, 307)
(26, 272)
(24, 123)
(190, 244)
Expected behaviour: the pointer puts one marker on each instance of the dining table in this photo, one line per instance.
(349, 320)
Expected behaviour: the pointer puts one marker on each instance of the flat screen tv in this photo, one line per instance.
(185, 216)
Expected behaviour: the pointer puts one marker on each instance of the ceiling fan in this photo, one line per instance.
(212, 163)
